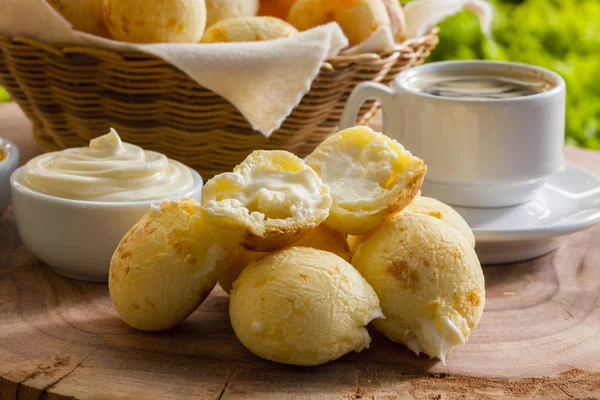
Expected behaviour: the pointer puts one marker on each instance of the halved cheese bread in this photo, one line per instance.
(370, 177)
(273, 197)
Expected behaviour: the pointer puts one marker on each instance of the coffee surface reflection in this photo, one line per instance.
(477, 86)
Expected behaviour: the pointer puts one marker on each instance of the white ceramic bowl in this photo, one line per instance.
(7, 166)
(77, 238)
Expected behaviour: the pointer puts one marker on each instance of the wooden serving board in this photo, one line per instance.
(61, 339)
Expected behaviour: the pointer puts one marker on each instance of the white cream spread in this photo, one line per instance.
(155, 210)
(263, 194)
(410, 340)
(438, 336)
(376, 313)
(108, 170)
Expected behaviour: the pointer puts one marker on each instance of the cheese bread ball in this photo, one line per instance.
(427, 206)
(428, 279)
(272, 198)
(84, 15)
(397, 19)
(248, 29)
(443, 212)
(325, 238)
(233, 272)
(302, 306)
(218, 10)
(359, 19)
(370, 177)
(155, 21)
(354, 241)
(322, 238)
(166, 265)
(276, 8)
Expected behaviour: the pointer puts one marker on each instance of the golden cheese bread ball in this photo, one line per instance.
(234, 270)
(218, 10)
(359, 19)
(322, 238)
(84, 15)
(370, 177)
(166, 265)
(325, 238)
(354, 241)
(248, 29)
(302, 306)
(276, 8)
(272, 198)
(441, 211)
(428, 206)
(428, 279)
(155, 21)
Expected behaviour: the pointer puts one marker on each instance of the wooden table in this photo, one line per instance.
(61, 339)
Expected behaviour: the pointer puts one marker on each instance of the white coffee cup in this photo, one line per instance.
(479, 152)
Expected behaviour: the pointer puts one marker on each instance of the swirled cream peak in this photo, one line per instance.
(108, 170)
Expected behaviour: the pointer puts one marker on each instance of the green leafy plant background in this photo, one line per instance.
(562, 35)
(3, 95)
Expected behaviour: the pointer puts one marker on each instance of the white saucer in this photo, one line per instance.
(569, 202)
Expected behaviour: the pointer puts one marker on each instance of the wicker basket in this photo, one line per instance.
(73, 94)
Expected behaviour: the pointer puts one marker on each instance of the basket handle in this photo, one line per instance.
(367, 91)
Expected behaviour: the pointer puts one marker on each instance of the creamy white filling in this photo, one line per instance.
(437, 337)
(155, 210)
(214, 254)
(374, 314)
(360, 173)
(108, 170)
(410, 340)
(263, 194)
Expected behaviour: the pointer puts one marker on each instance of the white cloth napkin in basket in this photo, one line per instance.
(263, 80)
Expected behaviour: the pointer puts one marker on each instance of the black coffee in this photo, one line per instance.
(477, 86)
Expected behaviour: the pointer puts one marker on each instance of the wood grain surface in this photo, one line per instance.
(61, 339)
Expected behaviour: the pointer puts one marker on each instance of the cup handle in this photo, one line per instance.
(363, 92)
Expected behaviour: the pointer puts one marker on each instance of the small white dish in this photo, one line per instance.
(8, 165)
(77, 238)
(567, 203)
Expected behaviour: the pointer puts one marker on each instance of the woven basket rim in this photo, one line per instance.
(72, 92)
(405, 47)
